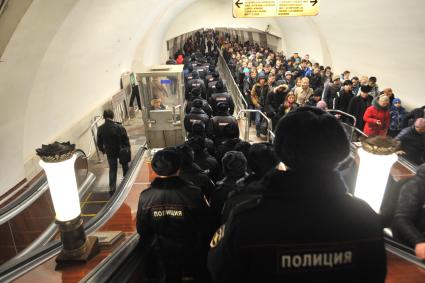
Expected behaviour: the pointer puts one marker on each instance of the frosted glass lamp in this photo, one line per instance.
(57, 160)
(377, 156)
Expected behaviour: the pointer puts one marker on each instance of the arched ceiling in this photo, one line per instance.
(65, 57)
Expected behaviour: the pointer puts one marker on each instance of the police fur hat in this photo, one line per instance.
(223, 106)
(197, 103)
(195, 74)
(244, 147)
(166, 162)
(186, 155)
(219, 85)
(310, 139)
(198, 128)
(234, 164)
(195, 92)
(262, 158)
(196, 143)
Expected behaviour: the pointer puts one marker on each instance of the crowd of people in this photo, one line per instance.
(276, 84)
(223, 210)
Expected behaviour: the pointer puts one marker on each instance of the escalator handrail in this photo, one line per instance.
(51, 230)
(103, 271)
(16, 268)
(27, 198)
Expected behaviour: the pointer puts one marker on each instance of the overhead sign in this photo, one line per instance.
(275, 8)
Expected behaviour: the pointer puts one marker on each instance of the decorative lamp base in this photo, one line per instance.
(91, 248)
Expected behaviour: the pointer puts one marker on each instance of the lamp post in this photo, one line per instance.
(377, 156)
(57, 160)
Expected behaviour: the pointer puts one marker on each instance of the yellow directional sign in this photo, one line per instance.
(274, 8)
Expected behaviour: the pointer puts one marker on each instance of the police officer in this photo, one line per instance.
(193, 83)
(196, 114)
(172, 220)
(215, 127)
(111, 137)
(305, 227)
(196, 95)
(212, 84)
(221, 95)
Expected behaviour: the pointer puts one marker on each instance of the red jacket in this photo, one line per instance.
(179, 59)
(374, 113)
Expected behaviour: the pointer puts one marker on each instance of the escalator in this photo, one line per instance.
(18, 266)
(124, 261)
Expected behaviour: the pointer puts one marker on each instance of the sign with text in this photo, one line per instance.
(275, 8)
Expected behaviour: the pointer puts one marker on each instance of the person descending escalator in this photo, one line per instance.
(221, 95)
(262, 159)
(112, 138)
(173, 220)
(203, 158)
(195, 82)
(192, 173)
(215, 127)
(211, 86)
(196, 95)
(234, 168)
(196, 114)
(302, 229)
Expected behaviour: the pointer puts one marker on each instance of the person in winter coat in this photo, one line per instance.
(359, 104)
(180, 59)
(397, 113)
(192, 173)
(409, 219)
(173, 220)
(234, 167)
(111, 137)
(303, 217)
(413, 141)
(377, 117)
(412, 116)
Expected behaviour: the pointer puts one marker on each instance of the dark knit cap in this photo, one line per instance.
(234, 164)
(195, 92)
(262, 158)
(310, 139)
(166, 162)
(244, 147)
(366, 88)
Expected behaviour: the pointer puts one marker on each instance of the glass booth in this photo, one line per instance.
(162, 96)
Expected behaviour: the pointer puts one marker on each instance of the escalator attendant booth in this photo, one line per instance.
(57, 160)
(162, 93)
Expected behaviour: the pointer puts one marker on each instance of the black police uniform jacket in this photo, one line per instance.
(300, 230)
(172, 218)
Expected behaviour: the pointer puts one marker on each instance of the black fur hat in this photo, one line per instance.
(310, 139)
(166, 162)
(234, 164)
(262, 158)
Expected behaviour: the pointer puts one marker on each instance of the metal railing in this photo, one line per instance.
(232, 87)
(93, 129)
(351, 128)
(270, 134)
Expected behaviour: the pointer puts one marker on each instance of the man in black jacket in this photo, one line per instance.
(413, 115)
(359, 104)
(409, 220)
(413, 141)
(305, 227)
(172, 220)
(111, 137)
